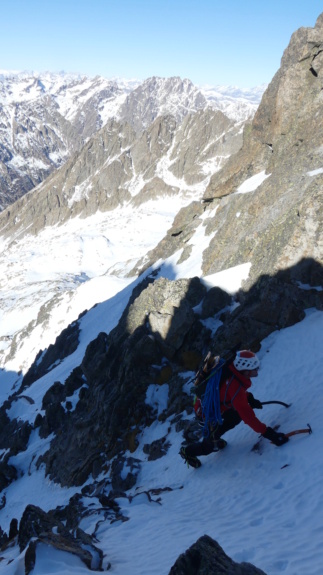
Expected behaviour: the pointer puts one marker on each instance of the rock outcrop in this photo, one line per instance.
(115, 374)
(265, 205)
(38, 527)
(206, 557)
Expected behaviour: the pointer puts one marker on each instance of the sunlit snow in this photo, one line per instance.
(315, 172)
(274, 499)
(251, 184)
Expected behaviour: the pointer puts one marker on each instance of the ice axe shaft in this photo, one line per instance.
(279, 402)
(307, 429)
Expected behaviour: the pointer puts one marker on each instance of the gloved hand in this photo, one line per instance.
(254, 403)
(275, 437)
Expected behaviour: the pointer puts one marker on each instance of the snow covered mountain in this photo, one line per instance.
(156, 241)
(45, 118)
(234, 102)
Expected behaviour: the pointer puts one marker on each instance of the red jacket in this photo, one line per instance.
(234, 394)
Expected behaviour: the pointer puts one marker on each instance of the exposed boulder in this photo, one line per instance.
(171, 324)
(157, 448)
(215, 300)
(15, 435)
(205, 557)
(37, 526)
(8, 474)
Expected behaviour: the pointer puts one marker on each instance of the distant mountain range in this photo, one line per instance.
(46, 118)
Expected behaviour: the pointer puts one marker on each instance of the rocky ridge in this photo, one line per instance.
(117, 166)
(46, 118)
(277, 222)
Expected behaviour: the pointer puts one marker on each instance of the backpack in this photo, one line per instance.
(210, 364)
(208, 381)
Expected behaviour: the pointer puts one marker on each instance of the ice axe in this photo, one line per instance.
(307, 429)
(279, 402)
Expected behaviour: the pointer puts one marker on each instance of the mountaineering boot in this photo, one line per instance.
(219, 444)
(191, 460)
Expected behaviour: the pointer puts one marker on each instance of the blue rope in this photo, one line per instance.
(211, 399)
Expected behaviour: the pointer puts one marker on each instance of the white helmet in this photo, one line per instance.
(246, 359)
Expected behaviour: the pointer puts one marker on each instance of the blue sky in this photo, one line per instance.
(208, 41)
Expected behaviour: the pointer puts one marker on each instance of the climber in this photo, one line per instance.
(236, 404)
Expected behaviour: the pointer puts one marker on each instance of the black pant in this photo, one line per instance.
(230, 418)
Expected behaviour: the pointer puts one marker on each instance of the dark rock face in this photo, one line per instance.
(14, 434)
(206, 557)
(8, 474)
(273, 303)
(120, 483)
(117, 370)
(14, 437)
(44, 528)
(215, 300)
(156, 449)
(66, 343)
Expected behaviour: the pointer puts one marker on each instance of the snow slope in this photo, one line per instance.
(266, 509)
